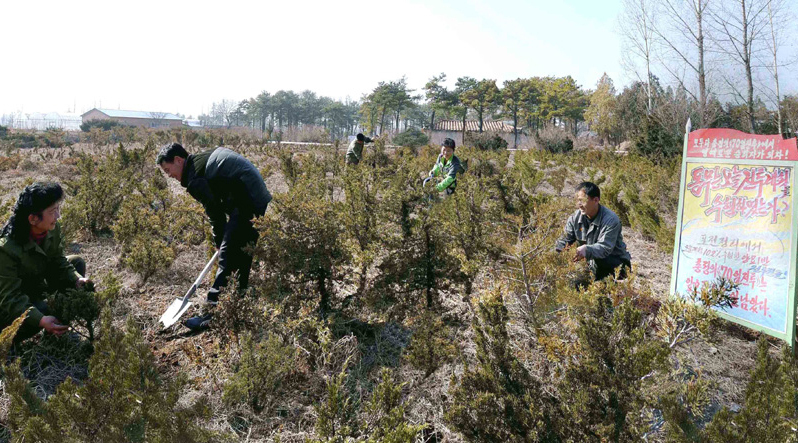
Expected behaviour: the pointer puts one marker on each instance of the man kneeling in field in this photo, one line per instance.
(597, 232)
(32, 261)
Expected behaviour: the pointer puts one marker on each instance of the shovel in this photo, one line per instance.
(181, 305)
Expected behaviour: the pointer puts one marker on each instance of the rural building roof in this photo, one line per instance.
(136, 114)
(473, 126)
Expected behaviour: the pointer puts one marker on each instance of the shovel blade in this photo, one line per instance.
(174, 312)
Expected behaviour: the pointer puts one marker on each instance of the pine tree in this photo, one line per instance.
(123, 400)
(499, 400)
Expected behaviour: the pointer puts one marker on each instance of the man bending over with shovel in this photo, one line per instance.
(233, 192)
(32, 261)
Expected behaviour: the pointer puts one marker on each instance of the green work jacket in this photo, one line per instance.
(28, 272)
(447, 169)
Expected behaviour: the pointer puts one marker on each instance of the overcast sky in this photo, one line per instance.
(180, 56)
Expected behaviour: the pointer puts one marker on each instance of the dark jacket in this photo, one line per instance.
(28, 272)
(602, 235)
(224, 182)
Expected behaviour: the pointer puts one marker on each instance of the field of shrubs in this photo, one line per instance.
(377, 312)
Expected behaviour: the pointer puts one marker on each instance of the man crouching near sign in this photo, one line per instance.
(597, 232)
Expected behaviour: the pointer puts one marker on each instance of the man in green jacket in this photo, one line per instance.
(355, 152)
(447, 166)
(32, 261)
(233, 193)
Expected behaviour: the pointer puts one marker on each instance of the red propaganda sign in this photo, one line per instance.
(738, 220)
(736, 145)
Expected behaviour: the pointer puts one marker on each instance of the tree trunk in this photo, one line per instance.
(775, 65)
(464, 126)
(747, 61)
(702, 78)
(432, 121)
(382, 119)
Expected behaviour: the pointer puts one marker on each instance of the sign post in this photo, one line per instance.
(738, 220)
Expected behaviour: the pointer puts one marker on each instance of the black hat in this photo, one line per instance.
(361, 137)
(448, 143)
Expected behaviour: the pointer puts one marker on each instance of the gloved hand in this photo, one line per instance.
(426, 180)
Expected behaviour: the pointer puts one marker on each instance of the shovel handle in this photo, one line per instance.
(202, 275)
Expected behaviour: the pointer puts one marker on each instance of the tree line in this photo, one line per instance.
(715, 62)
(282, 109)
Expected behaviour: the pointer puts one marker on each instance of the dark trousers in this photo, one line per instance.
(238, 234)
(608, 266)
(27, 331)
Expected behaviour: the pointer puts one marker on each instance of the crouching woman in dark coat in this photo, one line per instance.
(32, 261)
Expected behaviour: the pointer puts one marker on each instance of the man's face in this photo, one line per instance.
(447, 152)
(174, 169)
(588, 206)
(46, 221)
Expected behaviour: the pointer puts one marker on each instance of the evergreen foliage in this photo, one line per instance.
(304, 221)
(348, 256)
(104, 125)
(554, 140)
(604, 384)
(412, 138)
(124, 399)
(386, 422)
(654, 141)
(336, 422)
(431, 345)
(769, 414)
(499, 400)
(267, 369)
(486, 141)
(75, 307)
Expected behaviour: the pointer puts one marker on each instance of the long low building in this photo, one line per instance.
(135, 118)
(454, 129)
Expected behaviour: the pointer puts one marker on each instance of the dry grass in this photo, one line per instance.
(726, 362)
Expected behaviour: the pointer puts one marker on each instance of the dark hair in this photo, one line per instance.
(169, 152)
(361, 137)
(591, 189)
(448, 143)
(32, 200)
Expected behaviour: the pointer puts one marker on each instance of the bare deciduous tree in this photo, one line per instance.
(637, 33)
(159, 118)
(682, 31)
(740, 27)
(778, 23)
(223, 111)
